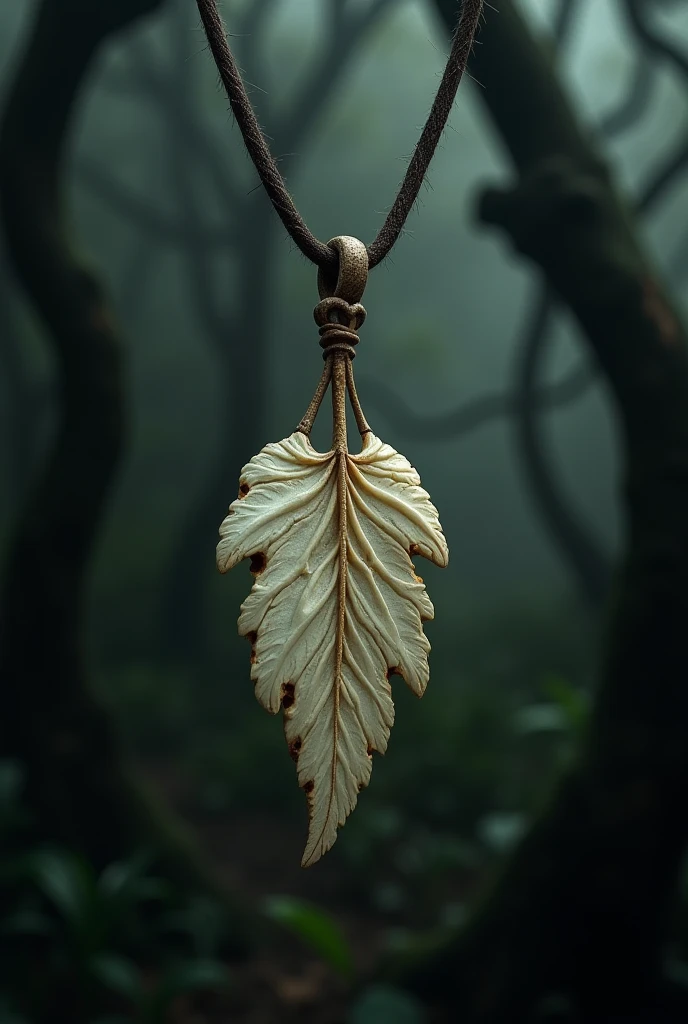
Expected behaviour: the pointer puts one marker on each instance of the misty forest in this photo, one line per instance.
(520, 854)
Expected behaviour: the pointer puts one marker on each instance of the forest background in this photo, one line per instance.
(138, 698)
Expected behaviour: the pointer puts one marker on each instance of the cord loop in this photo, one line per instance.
(350, 276)
(339, 322)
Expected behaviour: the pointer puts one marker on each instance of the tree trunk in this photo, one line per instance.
(585, 557)
(77, 786)
(582, 909)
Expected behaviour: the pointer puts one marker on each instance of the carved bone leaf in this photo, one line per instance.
(335, 605)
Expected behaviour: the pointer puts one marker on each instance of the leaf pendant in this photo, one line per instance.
(336, 606)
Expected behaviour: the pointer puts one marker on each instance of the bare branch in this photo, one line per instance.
(79, 797)
(564, 22)
(579, 548)
(501, 966)
(179, 115)
(588, 561)
(479, 412)
(656, 44)
(680, 258)
(664, 176)
(634, 101)
(141, 212)
(653, 41)
(333, 59)
(489, 407)
(524, 404)
(22, 411)
(145, 78)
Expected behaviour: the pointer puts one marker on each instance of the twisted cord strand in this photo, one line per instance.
(259, 151)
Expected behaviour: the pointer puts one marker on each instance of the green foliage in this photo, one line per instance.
(88, 933)
(152, 1003)
(466, 769)
(204, 924)
(314, 927)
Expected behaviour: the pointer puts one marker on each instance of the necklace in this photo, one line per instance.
(336, 607)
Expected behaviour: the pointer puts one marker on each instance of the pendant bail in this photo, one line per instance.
(352, 271)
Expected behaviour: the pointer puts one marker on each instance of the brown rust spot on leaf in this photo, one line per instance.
(393, 671)
(308, 787)
(252, 637)
(243, 490)
(295, 748)
(287, 695)
(258, 563)
(413, 551)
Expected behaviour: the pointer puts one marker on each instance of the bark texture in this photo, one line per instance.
(582, 908)
(78, 789)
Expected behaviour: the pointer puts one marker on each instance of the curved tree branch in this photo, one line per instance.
(588, 561)
(654, 42)
(586, 557)
(198, 262)
(634, 102)
(49, 556)
(21, 412)
(184, 618)
(139, 210)
(664, 176)
(477, 413)
(344, 30)
(77, 785)
(680, 258)
(564, 21)
(146, 79)
(559, 918)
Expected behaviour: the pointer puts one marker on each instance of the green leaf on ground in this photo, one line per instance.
(316, 928)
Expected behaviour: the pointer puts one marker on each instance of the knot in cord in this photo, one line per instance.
(339, 313)
(338, 321)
